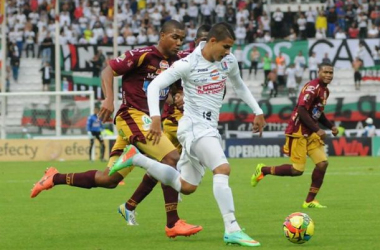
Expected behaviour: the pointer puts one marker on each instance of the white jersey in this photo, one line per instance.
(203, 84)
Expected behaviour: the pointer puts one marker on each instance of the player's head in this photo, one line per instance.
(202, 34)
(220, 41)
(326, 72)
(172, 35)
(96, 109)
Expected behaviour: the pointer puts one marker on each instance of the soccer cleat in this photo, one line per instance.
(258, 175)
(45, 183)
(125, 159)
(181, 228)
(129, 216)
(312, 204)
(240, 238)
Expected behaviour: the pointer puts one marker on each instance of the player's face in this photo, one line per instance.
(203, 37)
(220, 49)
(326, 74)
(172, 41)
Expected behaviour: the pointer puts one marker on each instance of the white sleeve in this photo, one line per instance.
(243, 92)
(165, 79)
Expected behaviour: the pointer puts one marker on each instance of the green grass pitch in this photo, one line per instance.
(72, 218)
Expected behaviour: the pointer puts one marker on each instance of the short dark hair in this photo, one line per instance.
(203, 28)
(221, 31)
(323, 64)
(170, 25)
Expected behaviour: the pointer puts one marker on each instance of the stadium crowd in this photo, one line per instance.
(90, 22)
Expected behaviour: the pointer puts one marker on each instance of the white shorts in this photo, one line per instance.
(202, 149)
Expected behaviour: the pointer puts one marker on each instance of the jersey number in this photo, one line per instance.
(207, 115)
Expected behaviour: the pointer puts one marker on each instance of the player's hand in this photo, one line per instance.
(334, 131)
(321, 133)
(259, 124)
(106, 111)
(154, 133)
(178, 100)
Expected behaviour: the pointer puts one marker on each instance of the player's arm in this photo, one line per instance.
(308, 122)
(243, 92)
(325, 122)
(163, 80)
(107, 108)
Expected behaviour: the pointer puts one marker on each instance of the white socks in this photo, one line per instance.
(161, 172)
(223, 196)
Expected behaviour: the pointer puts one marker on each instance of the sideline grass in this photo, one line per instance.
(73, 218)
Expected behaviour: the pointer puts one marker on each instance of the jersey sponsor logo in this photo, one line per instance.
(164, 64)
(202, 70)
(212, 88)
(214, 74)
(163, 92)
(310, 89)
(203, 80)
(146, 122)
(151, 75)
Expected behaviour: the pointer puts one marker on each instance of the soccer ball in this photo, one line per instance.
(298, 228)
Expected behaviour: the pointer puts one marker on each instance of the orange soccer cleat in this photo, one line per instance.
(181, 228)
(45, 183)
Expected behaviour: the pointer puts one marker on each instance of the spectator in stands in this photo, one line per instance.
(291, 84)
(265, 22)
(230, 17)
(281, 74)
(29, 37)
(241, 34)
(356, 65)
(292, 36)
(255, 58)
(46, 76)
(332, 19)
(370, 129)
(313, 66)
(360, 53)
(353, 31)
(373, 32)
(192, 11)
(376, 55)
(220, 11)
(340, 34)
(280, 59)
(300, 64)
(362, 24)
(375, 16)
(326, 59)
(321, 22)
(267, 66)
(206, 13)
(311, 16)
(14, 60)
(301, 22)
(278, 18)
(288, 22)
(272, 83)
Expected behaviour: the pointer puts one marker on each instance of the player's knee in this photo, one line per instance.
(171, 159)
(106, 181)
(187, 188)
(296, 172)
(222, 169)
(322, 165)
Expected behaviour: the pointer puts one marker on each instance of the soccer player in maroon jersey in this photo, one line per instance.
(138, 67)
(305, 138)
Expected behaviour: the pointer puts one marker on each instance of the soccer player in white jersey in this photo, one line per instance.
(204, 73)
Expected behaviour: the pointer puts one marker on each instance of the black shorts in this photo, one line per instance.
(357, 76)
(97, 135)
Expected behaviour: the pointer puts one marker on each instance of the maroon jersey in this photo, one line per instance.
(138, 68)
(313, 97)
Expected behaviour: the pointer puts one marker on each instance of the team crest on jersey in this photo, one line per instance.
(164, 64)
(146, 122)
(224, 65)
(214, 74)
(306, 97)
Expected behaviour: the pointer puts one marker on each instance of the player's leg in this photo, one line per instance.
(316, 152)
(208, 150)
(89, 179)
(296, 149)
(91, 146)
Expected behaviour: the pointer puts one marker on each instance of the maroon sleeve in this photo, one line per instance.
(127, 62)
(308, 94)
